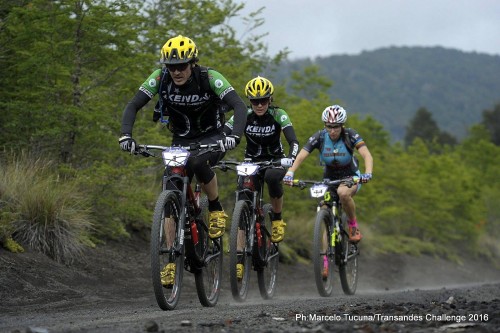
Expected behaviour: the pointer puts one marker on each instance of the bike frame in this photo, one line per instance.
(327, 189)
(250, 173)
(190, 248)
(250, 216)
(189, 199)
(338, 249)
(336, 228)
(249, 187)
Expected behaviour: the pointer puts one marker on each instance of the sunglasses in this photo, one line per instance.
(327, 126)
(260, 101)
(177, 67)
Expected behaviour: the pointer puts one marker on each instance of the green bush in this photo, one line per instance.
(45, 212)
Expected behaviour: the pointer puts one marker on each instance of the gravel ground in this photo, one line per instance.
(110, 291)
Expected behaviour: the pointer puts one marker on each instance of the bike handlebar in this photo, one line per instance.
(348, 181)
(144, 149)
(226, 165)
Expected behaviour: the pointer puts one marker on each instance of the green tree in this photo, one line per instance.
(482, 157)
(59, 72)
(423, 126)
(68, 69)
(491, 121)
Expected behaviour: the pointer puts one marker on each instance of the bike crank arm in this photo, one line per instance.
(218, 253)
(351, 256)
(211, 257)
(272, 256)
(175, 250)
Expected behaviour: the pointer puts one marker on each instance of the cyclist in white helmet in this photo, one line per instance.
(336, 152)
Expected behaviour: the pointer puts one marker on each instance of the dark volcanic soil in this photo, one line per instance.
(111, 292)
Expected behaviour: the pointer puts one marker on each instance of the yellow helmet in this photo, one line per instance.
(179, 50)
(259, 87)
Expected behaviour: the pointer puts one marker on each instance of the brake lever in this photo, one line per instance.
(223, 168)
(350, 183)
(147, 153)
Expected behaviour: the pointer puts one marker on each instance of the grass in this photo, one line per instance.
(297, 244)
(44, 212)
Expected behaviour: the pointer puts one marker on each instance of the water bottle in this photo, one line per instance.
(259, 234)
(194, 232)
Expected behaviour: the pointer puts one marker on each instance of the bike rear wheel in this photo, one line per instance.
(348, 268)
(240, 228)
(208, 276)
(269, 257)
(165, 252)
(323, 253)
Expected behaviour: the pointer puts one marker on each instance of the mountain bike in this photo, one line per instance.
(250, 237)
(179, 233)
(331, 246)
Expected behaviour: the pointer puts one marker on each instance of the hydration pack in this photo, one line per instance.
(201, 77)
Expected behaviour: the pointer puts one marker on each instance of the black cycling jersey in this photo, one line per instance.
(263, 134)
(192, 112)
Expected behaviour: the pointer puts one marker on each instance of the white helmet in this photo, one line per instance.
(334, 114)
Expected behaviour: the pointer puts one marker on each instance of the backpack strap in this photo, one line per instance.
(201, 76)
(159, 110)
(347, 142)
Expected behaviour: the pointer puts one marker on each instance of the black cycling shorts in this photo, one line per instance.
(200, 165)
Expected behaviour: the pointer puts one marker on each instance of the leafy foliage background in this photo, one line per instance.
(68, 69)
(392, 83)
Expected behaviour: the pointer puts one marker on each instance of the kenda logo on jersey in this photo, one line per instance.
(260, 129)
(192, 99)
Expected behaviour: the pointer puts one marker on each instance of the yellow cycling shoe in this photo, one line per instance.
(11, 245)
(239, 271)
(217, 224)
(278, 231)
(167, 275)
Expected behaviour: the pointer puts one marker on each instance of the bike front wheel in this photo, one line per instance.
(240, 259)
(167, 251)
(323, 253)
(348, 268)
(208, 276)
(268, 257)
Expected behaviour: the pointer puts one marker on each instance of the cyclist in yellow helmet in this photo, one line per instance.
(264, 125)
(190, 95)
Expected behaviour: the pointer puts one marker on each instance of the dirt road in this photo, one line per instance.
(112, 292)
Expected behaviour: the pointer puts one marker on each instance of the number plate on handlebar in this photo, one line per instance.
(247, 169)
(175, 156)
(318, 191)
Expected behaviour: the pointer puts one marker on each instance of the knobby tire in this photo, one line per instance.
(348, 270)
(167, 205)
(241, 220)
(208, 276)
(322, 247)
(268, 257)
